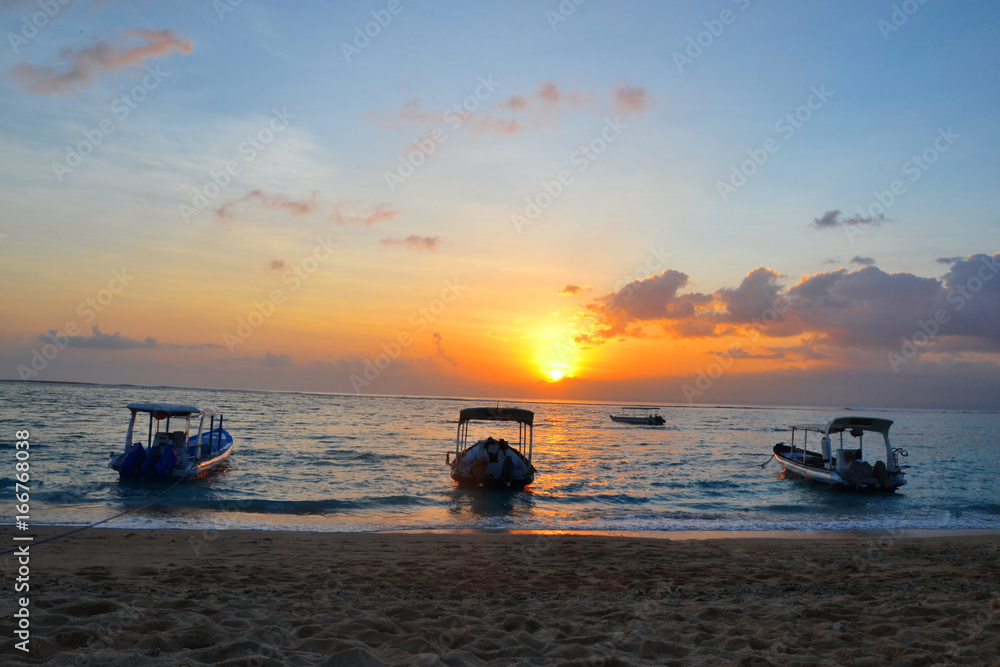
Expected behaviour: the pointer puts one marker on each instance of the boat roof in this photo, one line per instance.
(638, 407)
(497, 415)
(848, 423)
(166, 409)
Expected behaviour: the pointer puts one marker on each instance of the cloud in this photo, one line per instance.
(78, 69)
(649, 299)
(631, 99)
(98, 340)
(277, 264)
(342, 216)
(518, 110)
(832, 219)
(273, 203)
(948, 260)
(439, 350)
(840, 313)
(571, 289)
(270, 359)
(416, 242)
(864, 261)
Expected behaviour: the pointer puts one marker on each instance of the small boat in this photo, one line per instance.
(841, 463)
(168, 454)
(639, 414)
(490, 463)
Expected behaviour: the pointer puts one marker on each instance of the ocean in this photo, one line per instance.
(336, 463)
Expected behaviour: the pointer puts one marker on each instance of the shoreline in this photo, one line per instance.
(109, 596)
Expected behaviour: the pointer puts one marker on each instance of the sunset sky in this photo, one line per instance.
(727, 202)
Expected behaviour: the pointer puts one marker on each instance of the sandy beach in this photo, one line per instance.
(123, 597)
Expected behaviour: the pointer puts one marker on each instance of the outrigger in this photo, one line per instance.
(490, 463)
(178, 453)
(843, 466)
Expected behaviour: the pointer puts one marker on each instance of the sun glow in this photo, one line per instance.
(556, 357)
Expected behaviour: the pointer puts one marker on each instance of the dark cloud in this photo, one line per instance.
(571, 290)
(270, 359)
(863, 261)
(439, 349)
(98, 340)
(833, 219)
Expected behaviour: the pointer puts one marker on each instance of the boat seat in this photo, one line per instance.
(177, 438)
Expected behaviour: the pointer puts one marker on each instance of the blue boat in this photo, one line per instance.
(196, 445)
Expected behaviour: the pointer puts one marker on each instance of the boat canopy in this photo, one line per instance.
(497, 415)
(848, 423)
(164, 409)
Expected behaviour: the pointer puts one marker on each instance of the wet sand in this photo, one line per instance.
(123, 597)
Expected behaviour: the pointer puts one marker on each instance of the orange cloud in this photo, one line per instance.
(631, 99)
(77, 69)
(380, 213)
(277, 202)
(417, 242)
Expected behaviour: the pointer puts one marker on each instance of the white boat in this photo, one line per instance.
(168, 454)
(639, 414)
(492, 463)
(840, 462)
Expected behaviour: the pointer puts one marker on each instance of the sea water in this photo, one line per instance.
(323, 462)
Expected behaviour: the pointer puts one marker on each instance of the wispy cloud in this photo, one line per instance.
(277, 264)
(98, 340)
(274, 203)
(78, 69)
(833, 218)
(571, 289)
(350, 213)
(413, 241)
(439, 349)
(631, 99)
(863, 261)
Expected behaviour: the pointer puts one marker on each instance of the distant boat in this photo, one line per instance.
(639, 414)
(843, 466)
(490, 463)
(182, 452)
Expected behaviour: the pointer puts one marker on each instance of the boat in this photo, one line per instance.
(493, 463)
(639, 414)
(189, 450)
(840, 463)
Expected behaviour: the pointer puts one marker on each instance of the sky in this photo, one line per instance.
(719, 202)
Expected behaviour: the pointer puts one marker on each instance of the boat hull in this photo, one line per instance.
(139, 465)
(793, 463)
(487, 466)
(639, 421)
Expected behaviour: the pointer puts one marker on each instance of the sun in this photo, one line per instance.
(554, 375)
